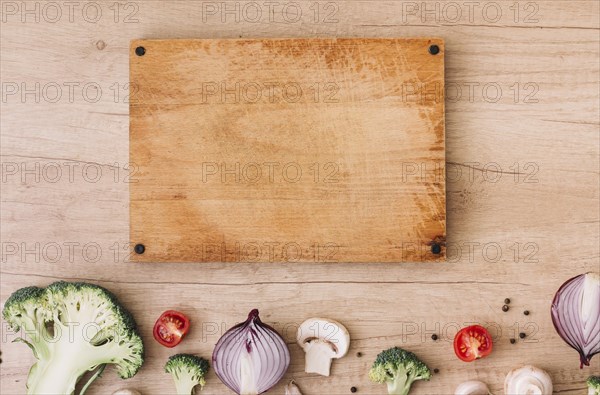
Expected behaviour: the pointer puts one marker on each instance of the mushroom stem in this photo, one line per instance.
(322, 340)
(318, 358)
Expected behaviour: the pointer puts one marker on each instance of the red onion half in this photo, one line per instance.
(251, 357)
(576, 315)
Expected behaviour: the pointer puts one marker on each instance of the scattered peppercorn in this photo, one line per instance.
(505, 308)
(522, 335)
(353, 389)
(526, 312)
(436, 370)
(507, 301)
(434, 337)
(359, 354)
(512, 341)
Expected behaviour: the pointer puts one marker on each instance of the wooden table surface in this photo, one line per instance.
(522, 120)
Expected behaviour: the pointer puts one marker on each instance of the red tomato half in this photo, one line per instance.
(472, 342)
(170, 328)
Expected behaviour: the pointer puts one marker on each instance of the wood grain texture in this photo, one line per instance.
(543, 219)
(300, 150)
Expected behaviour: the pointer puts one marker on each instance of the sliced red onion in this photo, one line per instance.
(576, 315)
(251, 357)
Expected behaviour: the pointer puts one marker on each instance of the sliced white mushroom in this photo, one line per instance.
(528, 380)
(127, 391)
(472, 387)
(322, 340)
(292, 389)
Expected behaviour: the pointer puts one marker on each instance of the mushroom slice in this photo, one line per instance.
(528, 380)
(322, 340)
(472, 387)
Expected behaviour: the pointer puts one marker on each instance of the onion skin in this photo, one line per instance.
(251, 357)
(576, 315)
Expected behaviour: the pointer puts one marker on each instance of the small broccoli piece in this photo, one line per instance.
(398, 368)
(73, 328)
(188, 371)
(593, 383)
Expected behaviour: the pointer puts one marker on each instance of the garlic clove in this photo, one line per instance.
(126, 391)
(472, 387)
(292, 389)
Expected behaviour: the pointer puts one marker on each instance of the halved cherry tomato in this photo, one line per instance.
(472, 342)
(170, 328)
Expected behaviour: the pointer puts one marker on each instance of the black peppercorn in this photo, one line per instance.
(526, 312)
(434, 337)
(507, 301)
(436, 370)
(359, 354)
(512, 341)
(522, 335)
(505, 308)
(353, 389)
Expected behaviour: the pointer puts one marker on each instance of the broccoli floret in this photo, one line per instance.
(398, 368)
(188, 371)
(73, 328)
(593, 383)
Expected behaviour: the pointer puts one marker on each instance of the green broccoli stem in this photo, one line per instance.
(70, 358)
(184, 386)
(400, 385)
(97, 374)
(56, 376)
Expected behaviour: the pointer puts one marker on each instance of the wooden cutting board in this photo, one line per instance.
(271, 150)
